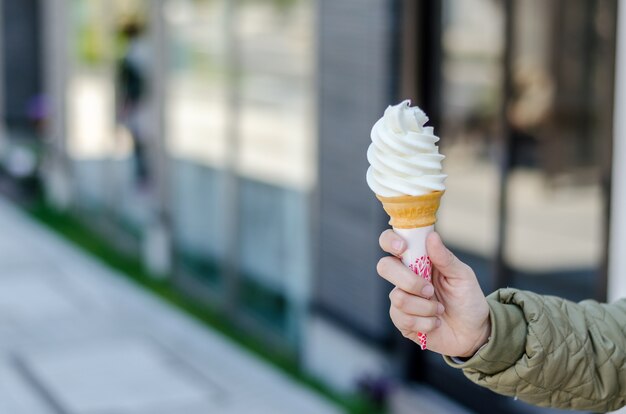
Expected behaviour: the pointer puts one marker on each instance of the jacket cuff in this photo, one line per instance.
(506, 344)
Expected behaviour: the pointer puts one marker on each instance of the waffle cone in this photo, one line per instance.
(409, 212)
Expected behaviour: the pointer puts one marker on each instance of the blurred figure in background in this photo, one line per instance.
(131, 80)
(529, 112)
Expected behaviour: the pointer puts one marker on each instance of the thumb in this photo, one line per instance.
(444, 260)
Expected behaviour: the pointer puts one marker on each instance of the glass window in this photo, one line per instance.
(241, 142)
(471, 100)
(560, 116)
(276, 70)
(107, 115)
(559, 122)
(197, 120)
(198, 76)
(276, 155)
(90, 102)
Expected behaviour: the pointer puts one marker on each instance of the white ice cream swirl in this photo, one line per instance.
(403, 157)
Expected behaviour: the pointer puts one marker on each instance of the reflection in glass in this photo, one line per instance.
(90, 97)
(560, 118)
(197, 81)
(239, 129)
(107, 138)
(196, 117)
(471, 100)
(276, 46)
(276, 154)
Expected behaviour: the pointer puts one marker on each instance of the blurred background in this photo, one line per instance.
(221, 143)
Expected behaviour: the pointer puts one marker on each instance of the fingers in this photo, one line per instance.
(413, 305)
(409, 325)
(392, 243)
(443, 259)
(392, 269)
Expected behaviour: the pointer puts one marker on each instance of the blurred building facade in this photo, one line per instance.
(224, 143)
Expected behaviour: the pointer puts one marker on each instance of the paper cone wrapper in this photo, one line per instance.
(413, 218)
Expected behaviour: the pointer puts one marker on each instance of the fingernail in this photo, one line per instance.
(397, 245)
(440, 309)
(428, 290)
(438, 323)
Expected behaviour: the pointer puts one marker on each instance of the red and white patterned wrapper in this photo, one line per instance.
(416, 258)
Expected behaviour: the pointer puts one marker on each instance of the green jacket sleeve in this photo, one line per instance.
(548, 351)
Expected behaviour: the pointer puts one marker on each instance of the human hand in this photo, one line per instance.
(452, 310)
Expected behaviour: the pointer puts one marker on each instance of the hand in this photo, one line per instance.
(452, 310)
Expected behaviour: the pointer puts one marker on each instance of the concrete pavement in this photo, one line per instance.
(77, 338)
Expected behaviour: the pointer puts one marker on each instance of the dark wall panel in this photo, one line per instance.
(22, 59)
(356, 56)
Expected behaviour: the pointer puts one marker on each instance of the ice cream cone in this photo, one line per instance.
(404, 159)
(410, 212)
(413, 218)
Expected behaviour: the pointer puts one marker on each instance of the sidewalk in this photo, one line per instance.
(76, 338)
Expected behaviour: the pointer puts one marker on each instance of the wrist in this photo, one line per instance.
(481, 340)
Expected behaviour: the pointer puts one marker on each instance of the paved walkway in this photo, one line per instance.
(76, 338)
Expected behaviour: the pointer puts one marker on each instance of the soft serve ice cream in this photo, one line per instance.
(405, 173)
(403, 157)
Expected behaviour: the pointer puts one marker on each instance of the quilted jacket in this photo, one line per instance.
(552, 352)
